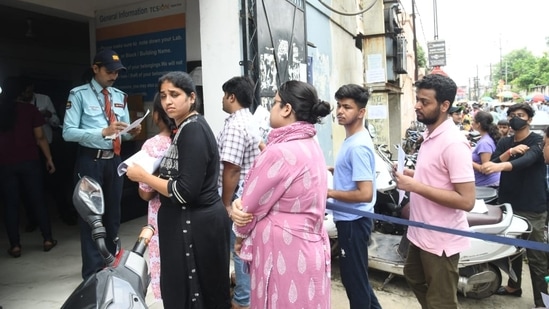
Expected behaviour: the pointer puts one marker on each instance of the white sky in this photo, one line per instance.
(478, 31)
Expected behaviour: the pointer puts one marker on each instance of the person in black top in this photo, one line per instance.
(193, 226)
(519, 158)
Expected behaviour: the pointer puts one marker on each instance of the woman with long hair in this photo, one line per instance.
(483, 122)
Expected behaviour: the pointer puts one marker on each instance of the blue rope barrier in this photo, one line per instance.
(534, 245)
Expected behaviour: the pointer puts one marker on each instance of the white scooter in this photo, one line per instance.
(479, 266)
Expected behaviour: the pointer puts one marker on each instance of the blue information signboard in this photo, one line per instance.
(147, 57)
(150, 39)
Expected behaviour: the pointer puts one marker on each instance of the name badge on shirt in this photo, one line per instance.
(119, 105)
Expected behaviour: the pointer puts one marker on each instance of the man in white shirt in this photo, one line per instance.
(44, 104)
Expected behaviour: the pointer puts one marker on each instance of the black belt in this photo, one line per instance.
(104, 154)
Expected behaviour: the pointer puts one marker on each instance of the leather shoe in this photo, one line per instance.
(503, 291)
(49, 244)
(15, 251)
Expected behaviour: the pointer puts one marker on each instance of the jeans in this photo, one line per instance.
(354, 237)
(241, 291)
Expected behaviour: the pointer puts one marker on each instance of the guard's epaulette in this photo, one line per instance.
(118, 90)
(80, 88)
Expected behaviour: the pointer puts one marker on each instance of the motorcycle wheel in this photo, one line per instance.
(482, 290)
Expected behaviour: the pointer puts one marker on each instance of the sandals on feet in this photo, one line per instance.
(15, 251)
(49, 244)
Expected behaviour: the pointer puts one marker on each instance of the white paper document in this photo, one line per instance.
(128, 128)
(400, 169)
(142, 158)
(261, 117)
(480, 207)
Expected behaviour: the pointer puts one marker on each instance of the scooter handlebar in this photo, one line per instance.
(98, 234)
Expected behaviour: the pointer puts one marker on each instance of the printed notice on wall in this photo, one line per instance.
(150, 39)
(377, 111)
(375, 72)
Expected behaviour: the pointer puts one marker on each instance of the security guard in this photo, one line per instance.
(95, 113)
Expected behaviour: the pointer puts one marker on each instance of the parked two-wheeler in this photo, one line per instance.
(124, 282)
(479, 266)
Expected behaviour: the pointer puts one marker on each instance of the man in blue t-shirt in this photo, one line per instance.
(354, 187)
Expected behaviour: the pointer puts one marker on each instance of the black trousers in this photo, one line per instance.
(25, 179)
(104, 172)
(354, 237)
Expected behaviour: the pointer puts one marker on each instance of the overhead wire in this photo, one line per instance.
(345, 13)
(417, 18)
(420, 22)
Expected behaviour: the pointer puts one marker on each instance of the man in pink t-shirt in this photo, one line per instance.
(442, 191)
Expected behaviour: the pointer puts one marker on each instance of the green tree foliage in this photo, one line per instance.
(421, 59)
(522, 70)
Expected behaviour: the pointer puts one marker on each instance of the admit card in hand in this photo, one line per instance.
(128, 128)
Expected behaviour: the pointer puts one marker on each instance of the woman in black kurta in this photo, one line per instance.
(193, 224)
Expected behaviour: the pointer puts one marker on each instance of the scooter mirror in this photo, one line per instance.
(88, 199)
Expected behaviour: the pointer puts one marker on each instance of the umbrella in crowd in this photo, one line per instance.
(539, 97)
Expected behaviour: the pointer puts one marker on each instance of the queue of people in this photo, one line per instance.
(263, 202)
(509, 157)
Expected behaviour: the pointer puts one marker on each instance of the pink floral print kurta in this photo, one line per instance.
(286, 246)
(155, 147)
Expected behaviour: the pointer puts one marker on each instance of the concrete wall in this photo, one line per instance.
(336, 60)
(194, 50)
(321, 58)
(408, 98)
(391, 108)
(221, 52)
(374, 53)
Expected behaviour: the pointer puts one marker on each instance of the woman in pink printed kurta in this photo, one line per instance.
(285, 244)
(155, 147)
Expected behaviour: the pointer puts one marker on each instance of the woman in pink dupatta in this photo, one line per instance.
(280, 232)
